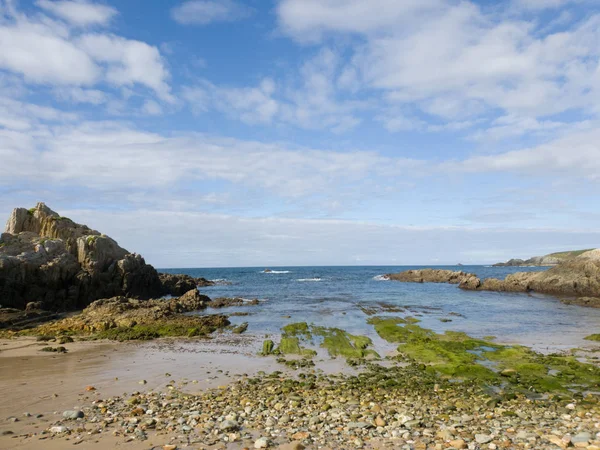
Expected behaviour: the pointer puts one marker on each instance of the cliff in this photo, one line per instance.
(62, 265)
(551, 259)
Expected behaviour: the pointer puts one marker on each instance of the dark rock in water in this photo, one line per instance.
(50, 262)
(240, 328)
(435, 276)
(176, 285)
(224, 302)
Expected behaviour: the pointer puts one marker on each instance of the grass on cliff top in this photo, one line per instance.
(569, 254)
(457, 355)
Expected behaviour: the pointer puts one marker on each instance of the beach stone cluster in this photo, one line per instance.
(396, 408)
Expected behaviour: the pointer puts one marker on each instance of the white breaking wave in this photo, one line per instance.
(381, 278)
(308, 279)
(275, 271)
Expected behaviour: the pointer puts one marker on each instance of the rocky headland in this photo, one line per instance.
(575, 280)
(551, 259)
(60, 265)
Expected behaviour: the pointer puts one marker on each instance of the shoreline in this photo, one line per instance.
(182, 369)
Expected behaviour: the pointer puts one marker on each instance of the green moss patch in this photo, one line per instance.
(340, 343)
(149, 332)
(457, 355)
(291, 346)
(593, 337)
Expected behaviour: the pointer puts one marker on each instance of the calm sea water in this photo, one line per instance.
(332, 296)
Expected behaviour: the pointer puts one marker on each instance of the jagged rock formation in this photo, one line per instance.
(575, 280)
(435, 276)
(552, 259)
(51, 259)
(177, 285)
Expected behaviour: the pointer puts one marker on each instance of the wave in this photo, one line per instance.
(381, 278)
(309, 279)
(275, 271)
(221, 281)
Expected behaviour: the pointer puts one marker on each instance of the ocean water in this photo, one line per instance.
(333, 297)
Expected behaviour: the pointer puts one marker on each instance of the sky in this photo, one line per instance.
(208, 133)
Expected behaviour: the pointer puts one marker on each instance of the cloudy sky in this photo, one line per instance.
(298, 132)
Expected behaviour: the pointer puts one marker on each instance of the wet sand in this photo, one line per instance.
(36, 382)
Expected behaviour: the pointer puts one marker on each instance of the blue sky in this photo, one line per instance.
(231, 133)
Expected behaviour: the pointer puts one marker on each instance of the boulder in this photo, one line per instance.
(435, 276)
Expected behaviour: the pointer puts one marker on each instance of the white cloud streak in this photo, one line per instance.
(79, 12)
(204, 12)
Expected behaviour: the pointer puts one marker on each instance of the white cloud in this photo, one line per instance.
(311, 101)
(44, 54)
(80, 95)
(537, 5)
(105, 155)
(18, 116)
(209, 240)
(79, 12)
(47, 52)
(577, 155)
(454, 60)
(306, 20)
(203, 12)
(128, 62)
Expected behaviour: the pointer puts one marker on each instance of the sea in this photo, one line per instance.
(345, 297)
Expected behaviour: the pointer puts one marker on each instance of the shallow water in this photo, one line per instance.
(332, 296)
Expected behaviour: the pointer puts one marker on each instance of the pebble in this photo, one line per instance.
(483, 438)
(262, 442)
(58, 429)
(228, 425)
(74, 414)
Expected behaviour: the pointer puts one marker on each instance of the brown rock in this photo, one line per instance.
(435, 276)
(292, 446)
(458, 444)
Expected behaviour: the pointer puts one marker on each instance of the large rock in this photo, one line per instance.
(122, 312)
(177, 285)
(51, 259)
(435, 276)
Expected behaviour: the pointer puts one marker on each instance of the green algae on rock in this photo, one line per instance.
(340, 343)
(593, 337)
(457, 355)
(337, 342)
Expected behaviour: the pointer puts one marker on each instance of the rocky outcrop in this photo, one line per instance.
(575, 280)
(126, 313)
(577, 277)
(435, 276)
(64, 265)
(177, 285)
(552, 259)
